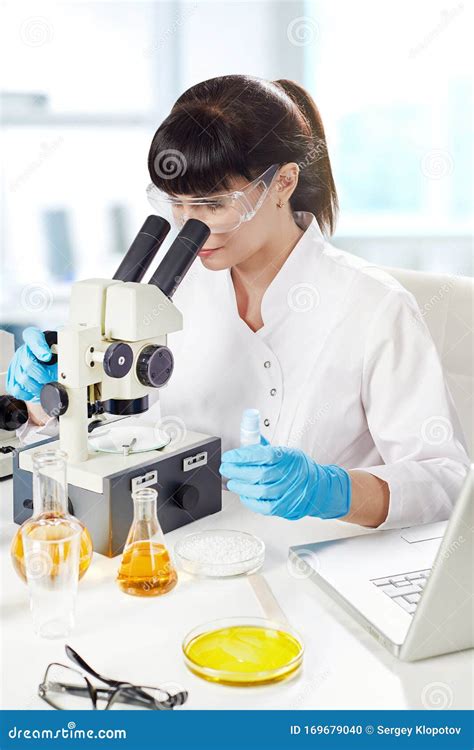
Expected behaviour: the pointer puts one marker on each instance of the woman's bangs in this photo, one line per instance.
(189, 158)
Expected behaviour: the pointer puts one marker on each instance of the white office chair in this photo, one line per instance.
(447, 305)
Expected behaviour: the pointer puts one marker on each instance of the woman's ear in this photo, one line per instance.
(286, 182)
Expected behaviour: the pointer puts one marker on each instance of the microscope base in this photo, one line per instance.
(185, 475)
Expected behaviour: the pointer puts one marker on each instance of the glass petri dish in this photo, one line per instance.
(243, 651)
(116, 439)
(220, 553)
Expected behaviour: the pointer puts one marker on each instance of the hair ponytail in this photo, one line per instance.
(316, 191)
(241, 125)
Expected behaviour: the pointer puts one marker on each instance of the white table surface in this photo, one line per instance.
(137, 639)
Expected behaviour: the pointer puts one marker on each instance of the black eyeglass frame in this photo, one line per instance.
(117, 691)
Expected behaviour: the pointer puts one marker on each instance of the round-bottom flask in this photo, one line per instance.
(50, 510)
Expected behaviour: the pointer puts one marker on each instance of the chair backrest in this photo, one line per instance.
(447, 305)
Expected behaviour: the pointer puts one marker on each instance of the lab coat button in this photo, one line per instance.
(267, 363)
(273, 391)
(266, 422)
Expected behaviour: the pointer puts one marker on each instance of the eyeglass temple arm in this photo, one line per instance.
(267, 181)
(79, 661)
(61, 687)
(173, 700)
(133, 699)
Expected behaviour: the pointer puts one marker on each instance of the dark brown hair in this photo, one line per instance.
(241, 125)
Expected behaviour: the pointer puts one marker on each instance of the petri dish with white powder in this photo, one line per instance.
(219, 553)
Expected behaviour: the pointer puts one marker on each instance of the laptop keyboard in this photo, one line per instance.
(404, 589)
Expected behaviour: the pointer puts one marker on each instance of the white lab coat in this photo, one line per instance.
(344, 368)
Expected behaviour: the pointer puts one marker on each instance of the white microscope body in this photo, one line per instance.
(111, 355)
(104, 312)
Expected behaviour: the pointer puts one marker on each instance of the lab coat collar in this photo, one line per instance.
(297, 272)
(295, 279)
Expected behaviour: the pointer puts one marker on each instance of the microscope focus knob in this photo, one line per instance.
(187, 497)
(154, 365)
(54, 399)
(118, 360)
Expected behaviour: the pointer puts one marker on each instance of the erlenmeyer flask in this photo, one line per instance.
(50, 510)
(146, 568)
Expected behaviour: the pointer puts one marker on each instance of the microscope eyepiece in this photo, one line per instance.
(143, 249)
(180, 256)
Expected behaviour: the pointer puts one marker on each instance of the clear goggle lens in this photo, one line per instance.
(223, 213)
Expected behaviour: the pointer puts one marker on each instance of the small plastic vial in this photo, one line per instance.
(250, 427)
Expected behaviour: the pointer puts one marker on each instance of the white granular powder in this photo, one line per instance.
(220, 554)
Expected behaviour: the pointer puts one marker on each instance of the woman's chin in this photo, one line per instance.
(214, 261)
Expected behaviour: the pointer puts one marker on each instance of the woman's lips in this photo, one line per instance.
(205, 252)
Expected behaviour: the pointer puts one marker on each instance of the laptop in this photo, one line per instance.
(411, 588)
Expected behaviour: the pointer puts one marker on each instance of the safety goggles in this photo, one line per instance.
(221, 213)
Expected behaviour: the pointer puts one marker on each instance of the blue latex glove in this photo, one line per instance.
(25, 376)
(286, 482)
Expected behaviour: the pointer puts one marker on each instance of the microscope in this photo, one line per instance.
(13, 411)
(111, 355)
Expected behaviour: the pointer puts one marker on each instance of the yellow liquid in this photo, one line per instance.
(244, 655)
(49, 527)
(146, 570)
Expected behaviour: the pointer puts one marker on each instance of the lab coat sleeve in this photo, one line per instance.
(411, 415)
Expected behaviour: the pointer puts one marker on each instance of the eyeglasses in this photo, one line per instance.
(65, 688)
(221, 213)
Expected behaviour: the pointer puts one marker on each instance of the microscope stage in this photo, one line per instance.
(90, 474)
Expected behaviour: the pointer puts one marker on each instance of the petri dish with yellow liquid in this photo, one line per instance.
(243, 651)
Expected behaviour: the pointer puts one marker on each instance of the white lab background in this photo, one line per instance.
(86, 84)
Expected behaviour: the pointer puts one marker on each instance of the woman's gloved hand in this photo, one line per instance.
(26, 376)
(280, 481)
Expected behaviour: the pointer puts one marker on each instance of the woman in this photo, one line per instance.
(332, 351)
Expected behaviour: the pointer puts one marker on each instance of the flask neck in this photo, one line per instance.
(145, 510)
(49, 483)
